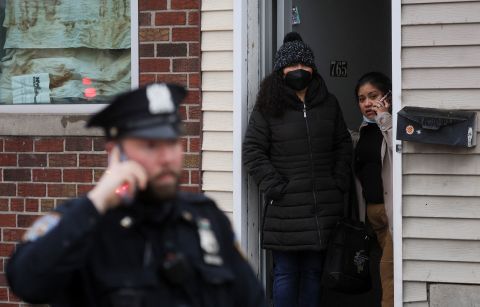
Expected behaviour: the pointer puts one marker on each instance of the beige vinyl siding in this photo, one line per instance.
(441, 78)
(218, 161)
(418, 164)
(442, 250)
(442, 228)
(217, 5)
(414, 291)
(410, 148)
(433, 1)
(217, 41)
(217, 61)
(441, 207)
(217, 121)
(217, 20)
(453, 56)
(217, 181)
(217, 101)
(223, 199)
(441, 35)
(441, 13)
(441, 195)
(217, 141)
(217, 81)
(441, 271)
(416, 304)
(444, 98)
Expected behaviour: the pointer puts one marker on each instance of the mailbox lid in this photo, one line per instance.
(434, 119)
(437, 126)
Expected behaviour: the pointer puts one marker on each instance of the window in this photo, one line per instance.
(64, 51)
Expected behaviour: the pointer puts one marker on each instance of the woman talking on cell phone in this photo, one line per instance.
(373, 168)
(298, 150)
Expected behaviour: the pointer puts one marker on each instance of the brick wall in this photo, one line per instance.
(39, 172)
(170, 52)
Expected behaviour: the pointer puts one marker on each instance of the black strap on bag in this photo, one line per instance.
(347, 262)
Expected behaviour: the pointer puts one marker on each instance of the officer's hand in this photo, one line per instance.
(119, 173)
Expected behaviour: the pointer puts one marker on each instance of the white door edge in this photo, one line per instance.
(239, 119)
(134, 45)
(397, 156)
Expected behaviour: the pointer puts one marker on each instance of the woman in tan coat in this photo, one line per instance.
(373, 169)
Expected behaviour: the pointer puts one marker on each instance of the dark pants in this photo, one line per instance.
(297, 278)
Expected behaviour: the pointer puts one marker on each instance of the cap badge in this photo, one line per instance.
(159, 99)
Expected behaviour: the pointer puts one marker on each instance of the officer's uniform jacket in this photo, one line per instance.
(135, 256)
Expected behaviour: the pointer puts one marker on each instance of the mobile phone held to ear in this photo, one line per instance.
(123, 190)
(385, 98)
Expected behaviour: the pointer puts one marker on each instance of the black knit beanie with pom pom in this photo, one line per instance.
(293, 51)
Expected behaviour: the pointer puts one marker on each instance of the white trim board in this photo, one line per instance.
(397, 156)
(239, 120)
(134, 44)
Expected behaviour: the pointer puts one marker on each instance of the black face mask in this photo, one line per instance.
(298, 79)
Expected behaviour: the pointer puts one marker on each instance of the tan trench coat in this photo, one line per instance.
(384, 121)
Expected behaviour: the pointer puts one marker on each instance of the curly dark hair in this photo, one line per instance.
(271, 97)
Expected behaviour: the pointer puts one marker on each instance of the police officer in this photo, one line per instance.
(135, 240)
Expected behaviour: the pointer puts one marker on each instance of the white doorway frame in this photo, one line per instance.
(240, 117)
(243, 47)
(397, 153)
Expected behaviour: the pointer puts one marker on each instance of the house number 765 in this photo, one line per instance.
(338, 69)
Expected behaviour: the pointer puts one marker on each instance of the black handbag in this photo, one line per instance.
(347, 261)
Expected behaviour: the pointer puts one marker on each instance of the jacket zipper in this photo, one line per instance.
(314, 188)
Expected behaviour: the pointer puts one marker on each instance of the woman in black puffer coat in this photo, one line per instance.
(298, 149)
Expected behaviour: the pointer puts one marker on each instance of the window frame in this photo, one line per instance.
(87, 108)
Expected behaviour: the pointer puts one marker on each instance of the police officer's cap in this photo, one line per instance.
(149, 112)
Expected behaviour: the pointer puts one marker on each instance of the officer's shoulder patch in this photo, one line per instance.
(42, 226)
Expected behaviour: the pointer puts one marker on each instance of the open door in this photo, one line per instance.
(349, 38)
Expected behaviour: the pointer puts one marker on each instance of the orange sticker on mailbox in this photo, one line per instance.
(409, 129)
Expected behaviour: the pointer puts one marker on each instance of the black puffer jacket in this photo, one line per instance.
(301, 160)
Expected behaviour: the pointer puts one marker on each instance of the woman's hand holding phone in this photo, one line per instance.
(120, 180)
(382, 105)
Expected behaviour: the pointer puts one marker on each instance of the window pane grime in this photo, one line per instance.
(49, 48)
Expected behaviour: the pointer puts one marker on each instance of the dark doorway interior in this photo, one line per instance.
(354, 37)
(355, 32)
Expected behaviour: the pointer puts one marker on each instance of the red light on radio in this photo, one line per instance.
(90, 92)
(122, 190)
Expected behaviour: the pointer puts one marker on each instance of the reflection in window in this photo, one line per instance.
(64, 51)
